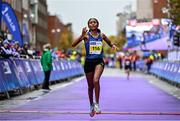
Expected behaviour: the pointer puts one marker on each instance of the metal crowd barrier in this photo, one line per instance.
(18, 73)
(167, 70)
(141, 65)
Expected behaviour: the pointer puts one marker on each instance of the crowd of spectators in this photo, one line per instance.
(13, 49)
(10, 48)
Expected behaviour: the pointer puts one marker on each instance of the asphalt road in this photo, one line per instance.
(142, 98)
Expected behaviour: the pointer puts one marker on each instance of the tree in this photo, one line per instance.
(121, 40)
(65, 40)
(175, 11)
(107, 49)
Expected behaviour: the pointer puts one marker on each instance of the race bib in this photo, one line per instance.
(95, 47)
(127, 62)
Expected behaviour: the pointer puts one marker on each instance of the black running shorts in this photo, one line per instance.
(90, 64)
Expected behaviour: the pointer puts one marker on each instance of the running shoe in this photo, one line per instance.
(97, 108)
(92, 112)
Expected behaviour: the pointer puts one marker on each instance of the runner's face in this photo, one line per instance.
(93, 24)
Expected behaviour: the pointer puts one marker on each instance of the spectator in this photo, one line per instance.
(54, 54)
(149, 62)
(1, 41)
(120, 61)
(6, 50)
(46, 62)
(26, 52)
(16, 50)
(134, 59)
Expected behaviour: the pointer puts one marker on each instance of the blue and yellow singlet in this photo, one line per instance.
(94, 47)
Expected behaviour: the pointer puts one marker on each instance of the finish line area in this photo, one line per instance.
(84, 112)
(136, 99)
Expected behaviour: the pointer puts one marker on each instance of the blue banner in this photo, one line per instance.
(2, 86)
(167, 70)
(2, 82)
(9, 77)
(29, 72)
(26, 33)
(9, 16)
(54, 71)
(24, 73)
(37, 71)
(19, 71)
(0, 10)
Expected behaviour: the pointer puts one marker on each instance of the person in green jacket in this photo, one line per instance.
(46, 62)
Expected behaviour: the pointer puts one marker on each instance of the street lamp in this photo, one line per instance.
(53, 31)
(156, 1)
(25, 16)
(55, 34)
(58, 30)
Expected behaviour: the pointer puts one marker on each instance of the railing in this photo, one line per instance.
(167, 70)
(17, 73)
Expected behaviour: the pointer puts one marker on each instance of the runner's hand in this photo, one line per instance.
(84, 31)
(114, 47)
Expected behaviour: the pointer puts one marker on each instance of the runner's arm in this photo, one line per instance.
(80, 38)
(105, 38)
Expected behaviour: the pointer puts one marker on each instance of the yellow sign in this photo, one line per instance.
(95, 47)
